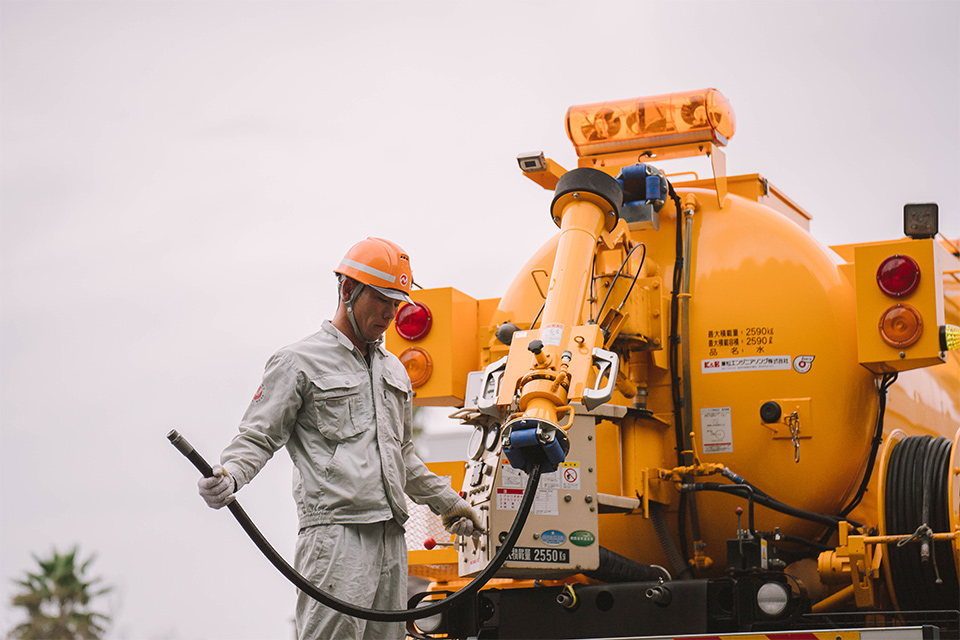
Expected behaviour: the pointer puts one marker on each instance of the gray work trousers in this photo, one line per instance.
(363, 564)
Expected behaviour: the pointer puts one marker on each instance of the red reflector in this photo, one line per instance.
(414, 321)
(898, 276)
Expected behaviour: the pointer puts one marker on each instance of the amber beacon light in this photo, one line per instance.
(418, 364)
(901, 325)
(670, 119)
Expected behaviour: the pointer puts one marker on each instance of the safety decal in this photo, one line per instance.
(509, 499)
(553, 537)
(716, 428)
(547, 481)
(803, 364)
(403, 279)
(551, 334)
(510, 477)
(582, 538)
(756, 363)
(569, 475)
(546, 503)
(258, 396)
(515, 478)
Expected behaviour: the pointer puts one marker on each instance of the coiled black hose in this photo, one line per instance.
(345, 607)
(917, 502)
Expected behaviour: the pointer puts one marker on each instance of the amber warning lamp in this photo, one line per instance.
(641, 123)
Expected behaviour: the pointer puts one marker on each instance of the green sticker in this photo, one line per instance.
(582, 538)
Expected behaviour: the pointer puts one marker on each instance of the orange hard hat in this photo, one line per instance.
(379, 264)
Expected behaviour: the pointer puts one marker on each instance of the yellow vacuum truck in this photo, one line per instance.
(743, 433)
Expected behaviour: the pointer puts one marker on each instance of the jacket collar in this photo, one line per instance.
(345, 341)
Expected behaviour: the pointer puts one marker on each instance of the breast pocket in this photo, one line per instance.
(338, 406)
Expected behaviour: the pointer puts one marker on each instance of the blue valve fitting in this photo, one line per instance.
(531, 442)
(644, 192)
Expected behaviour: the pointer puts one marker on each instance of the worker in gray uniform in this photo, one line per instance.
(341, 405)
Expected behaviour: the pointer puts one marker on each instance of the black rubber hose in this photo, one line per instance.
(674, 356)
(345, 607)
(617, 277)
(617, 568)
(677, 562)
(885, 383)
(745, 491)
(678, 399)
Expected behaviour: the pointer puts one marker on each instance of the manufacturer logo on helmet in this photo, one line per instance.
(582, 538)
(803, 364)
(553, 538)
(403, 279)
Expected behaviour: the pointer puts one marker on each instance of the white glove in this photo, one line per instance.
(461, 519)
(218, 490)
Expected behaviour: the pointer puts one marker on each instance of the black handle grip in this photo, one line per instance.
(191, 454)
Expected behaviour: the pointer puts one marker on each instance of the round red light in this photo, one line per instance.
(414, 321)
(898, 276)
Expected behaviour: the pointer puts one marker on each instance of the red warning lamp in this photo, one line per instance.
(898, 276)
(414, 321)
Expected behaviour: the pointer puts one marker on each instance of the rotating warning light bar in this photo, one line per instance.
(642, 123)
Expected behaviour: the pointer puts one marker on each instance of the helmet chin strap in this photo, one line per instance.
(353, 321)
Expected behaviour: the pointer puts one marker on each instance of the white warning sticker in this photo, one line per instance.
(510, 477)
(547, 480)
(509, 499)
(551, 334)
(515, 478)
(751, 363)
(546, 503)
(716, 428)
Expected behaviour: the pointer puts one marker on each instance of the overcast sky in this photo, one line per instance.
(180, 178)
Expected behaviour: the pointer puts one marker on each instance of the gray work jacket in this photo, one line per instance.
(347, 426)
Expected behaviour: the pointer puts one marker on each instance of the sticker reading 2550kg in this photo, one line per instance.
(537, 554)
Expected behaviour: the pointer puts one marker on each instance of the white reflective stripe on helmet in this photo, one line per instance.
(359, 266)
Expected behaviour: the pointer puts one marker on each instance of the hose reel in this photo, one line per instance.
(917, 501)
